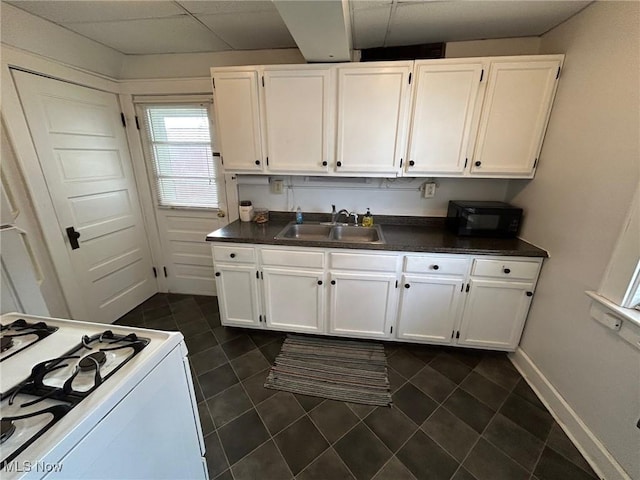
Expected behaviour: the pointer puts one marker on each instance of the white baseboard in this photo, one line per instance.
(585, 441)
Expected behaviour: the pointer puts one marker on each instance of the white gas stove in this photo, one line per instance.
(86, 400)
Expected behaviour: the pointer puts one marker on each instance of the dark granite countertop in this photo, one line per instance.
(403, 234)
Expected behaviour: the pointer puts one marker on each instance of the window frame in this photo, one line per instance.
(140, 102)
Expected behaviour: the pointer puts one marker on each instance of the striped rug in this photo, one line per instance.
(346, 370)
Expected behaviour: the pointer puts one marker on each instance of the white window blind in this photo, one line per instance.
(179, 147)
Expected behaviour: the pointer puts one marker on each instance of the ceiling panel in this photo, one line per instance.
(165, 35)
(98, 11)
(250, 31)
(424, 22)
(228, 6)
(370, 25)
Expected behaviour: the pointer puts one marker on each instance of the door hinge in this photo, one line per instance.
(396, 283)
(257, 274)
(453, 332)
(213, 81)
(165, 271)
(535, 162)
(458, 334)
(137, 122)
(155, 272)
(409, 78)
(267, 161)
(558, 74)
(261, 276)
(263, 80)
(123, 119)
(221, 160)
(466, 160)
(468, 287)
(462, 287)
(482, 74)
(400, 163)
(391, 331)
(260, 318)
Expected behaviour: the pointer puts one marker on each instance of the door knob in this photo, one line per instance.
(73, 237)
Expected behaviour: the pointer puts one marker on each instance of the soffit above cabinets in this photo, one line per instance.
(163, 26)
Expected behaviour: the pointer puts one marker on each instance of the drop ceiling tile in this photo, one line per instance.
(91, 11)
(370, 26)
(250, 31)
(228, 6)
(415, 23)
(166, 35)
(365, 4)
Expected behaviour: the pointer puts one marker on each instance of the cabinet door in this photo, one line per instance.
(372, 117)
(494, 314)
(238, 120)
(296, 112)
(429, 308)
(294, 299)
(514, 117)
(362, 305)
(444, 102)
(237, 288)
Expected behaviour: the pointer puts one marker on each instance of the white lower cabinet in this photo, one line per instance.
(495, 313)
(362, 304)
(294, 299)
(429, 308)
(238, 297)
(479, 302)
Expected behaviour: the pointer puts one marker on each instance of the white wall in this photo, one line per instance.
(491, 47)
(588, 171)
(384, 197)
(28, 32)
(184, 65)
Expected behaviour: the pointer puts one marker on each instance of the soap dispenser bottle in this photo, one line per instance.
(298, 216)
(367, 220)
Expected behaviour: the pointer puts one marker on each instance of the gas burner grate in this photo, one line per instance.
(20, 335)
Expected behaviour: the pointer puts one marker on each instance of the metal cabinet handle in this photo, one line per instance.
(411, 163)
(233, 255)
(217, 274)
(324, 164)
(507, 270)
(478, 164)
(406, 285)
(319, 282)
(73, 237)
(339, 164)
(529, 294)
(257, 162)
(333, 282)
(436, 267)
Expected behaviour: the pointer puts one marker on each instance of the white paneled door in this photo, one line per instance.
(82, 149)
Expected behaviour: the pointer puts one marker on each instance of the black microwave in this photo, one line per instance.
(483, 218)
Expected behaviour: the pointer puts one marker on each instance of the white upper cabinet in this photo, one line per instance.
(371, 117)
(445, 98)
(297, 108)
(515, 112)
(238, 120)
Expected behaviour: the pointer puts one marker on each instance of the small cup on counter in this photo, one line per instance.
(261, 215)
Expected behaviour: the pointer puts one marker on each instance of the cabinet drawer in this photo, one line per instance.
(505, 269)
(362, 261)
(234, 254)
(292, 258)
(436, 264)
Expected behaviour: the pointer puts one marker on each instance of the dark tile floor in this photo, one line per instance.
(457, 414)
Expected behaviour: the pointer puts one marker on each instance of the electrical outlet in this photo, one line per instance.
(277, 186)
(429, 190)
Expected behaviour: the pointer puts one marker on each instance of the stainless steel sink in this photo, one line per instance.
(332, 233)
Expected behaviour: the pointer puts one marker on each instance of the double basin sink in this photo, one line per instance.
(322, 232)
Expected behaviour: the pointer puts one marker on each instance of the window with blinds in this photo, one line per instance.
(179, 147)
